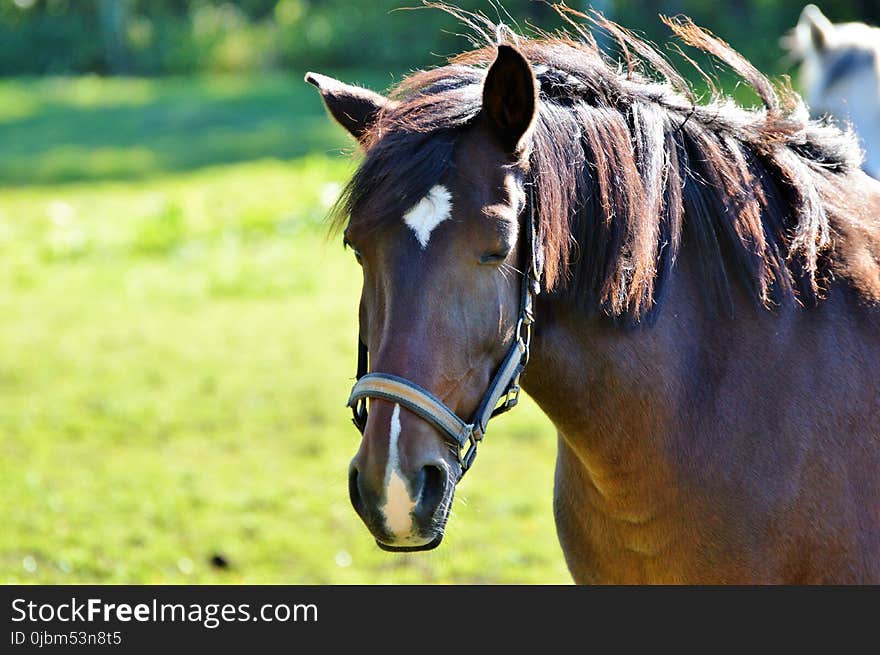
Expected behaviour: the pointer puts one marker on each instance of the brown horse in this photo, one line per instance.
(707, 333)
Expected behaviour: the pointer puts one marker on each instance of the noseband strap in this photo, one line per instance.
(462, 435)
(413, 397)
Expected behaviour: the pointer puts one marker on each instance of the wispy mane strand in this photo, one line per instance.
(626, 167)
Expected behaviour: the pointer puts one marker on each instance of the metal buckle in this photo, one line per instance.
(359, 414)
(511, 398)
(524, 342)
(474, 437)
(470, 455)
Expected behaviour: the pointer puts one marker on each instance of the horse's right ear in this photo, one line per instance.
(353, 107)
(814, 30)
(510, 98)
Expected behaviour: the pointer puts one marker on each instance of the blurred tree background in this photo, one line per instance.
(157, 37)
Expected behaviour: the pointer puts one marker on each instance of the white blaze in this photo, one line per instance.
(428, 213)
(398, 504)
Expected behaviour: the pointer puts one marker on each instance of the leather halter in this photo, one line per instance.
(461, 434)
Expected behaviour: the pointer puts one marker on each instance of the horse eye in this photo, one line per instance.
(348, 244)
(493, 257)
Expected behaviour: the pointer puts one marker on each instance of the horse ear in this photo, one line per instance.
(353, 107)
(814, 30)
(510, 98)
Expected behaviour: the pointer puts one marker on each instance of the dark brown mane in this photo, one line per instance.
(626, 167)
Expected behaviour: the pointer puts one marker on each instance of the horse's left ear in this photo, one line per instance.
(510, 98)
(353, 107)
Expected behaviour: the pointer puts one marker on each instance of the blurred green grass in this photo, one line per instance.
(178, 340)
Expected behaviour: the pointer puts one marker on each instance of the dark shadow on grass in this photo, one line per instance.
(186, 124)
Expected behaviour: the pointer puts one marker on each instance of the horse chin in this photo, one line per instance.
(431, 545)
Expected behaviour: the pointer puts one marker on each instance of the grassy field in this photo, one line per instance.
(178, 339)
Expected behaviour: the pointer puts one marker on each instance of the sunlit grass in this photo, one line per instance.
(177, 348)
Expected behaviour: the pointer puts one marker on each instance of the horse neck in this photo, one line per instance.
(641, 406)
(620, 397)
(605, 389)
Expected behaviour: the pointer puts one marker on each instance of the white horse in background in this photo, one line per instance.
(840, 75)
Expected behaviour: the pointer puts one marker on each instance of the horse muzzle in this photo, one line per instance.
(405, 510)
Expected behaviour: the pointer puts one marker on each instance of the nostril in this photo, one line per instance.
(354, 490)
(433, 490)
